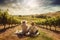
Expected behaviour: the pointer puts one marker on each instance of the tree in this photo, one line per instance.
(4, 18)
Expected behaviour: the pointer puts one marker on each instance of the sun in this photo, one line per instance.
(30, 3)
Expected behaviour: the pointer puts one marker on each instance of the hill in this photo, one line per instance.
(53, 13)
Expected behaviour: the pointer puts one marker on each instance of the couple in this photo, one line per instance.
(28, 30)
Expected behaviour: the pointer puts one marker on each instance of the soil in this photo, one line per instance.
(9, 34)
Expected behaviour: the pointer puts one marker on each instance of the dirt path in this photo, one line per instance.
(55, 36)
(9, 34)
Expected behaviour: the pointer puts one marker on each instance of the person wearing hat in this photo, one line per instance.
(33, 30)
(24, 28)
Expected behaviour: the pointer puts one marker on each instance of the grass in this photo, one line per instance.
(42, 36)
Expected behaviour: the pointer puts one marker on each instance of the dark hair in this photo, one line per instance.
(32, 23)
(23, 21)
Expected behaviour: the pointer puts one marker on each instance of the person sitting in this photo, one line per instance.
(24, 29)
(33, 31)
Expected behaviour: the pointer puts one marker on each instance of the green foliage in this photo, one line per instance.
(50, 21)
(5, 18)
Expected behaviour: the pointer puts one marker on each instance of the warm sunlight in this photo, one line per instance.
(29, 19)
(30, 3)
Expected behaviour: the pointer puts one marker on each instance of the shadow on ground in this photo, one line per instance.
(56, 31)
(3, 30)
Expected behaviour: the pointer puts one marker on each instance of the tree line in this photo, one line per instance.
(53, 21)
(6, 18)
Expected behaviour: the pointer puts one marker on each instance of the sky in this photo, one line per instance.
(28, 7)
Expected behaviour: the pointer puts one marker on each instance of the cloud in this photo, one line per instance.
(56, 2)
(40, 2)
(2, 1)
(9, 1)
(44, 2)
(25, 7)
